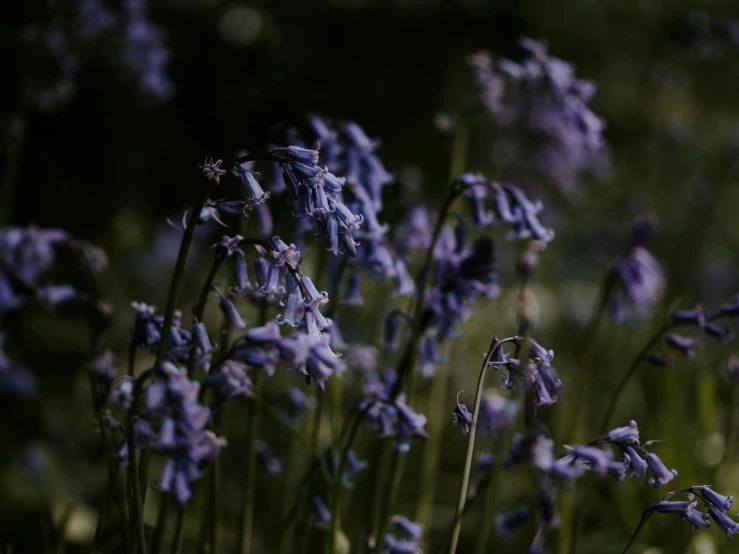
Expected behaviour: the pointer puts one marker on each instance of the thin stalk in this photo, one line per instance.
(137, 516)
(732, 422)
(440, 379)
(471, 447)
(214, 483)
(575, 412)
(313, 452)
(247, 522)
(246, 525)
(161, 525)
(337, 488)
(491, 497)
(397, 465)
(379, 475)
(178, 532)
(287, 534)
(179, 271)
(114, 482)
(432, 448)
(407, 361)
(144, 462)
(629, 373)
(646, 514)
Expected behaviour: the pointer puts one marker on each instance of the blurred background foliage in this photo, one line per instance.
(109, 161)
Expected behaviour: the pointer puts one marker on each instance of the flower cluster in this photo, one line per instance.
(717, 506)
(496, 414)
(406, 539)
(637, 278)
(389, 415)
(69, 42)
(491, 203)
(28, 277)
(635, 460)
(536, 375)
(172, 408)
(539, 106)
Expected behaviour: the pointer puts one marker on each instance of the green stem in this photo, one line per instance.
(471, 447)
(432, 448)
(247, 520)
(337, 487)
(137, 517)
(317, 415)
(646, 514)
(179, 271)
(491, 496)
(214, 482)
(629, 373)
(178, 532)
(114, 481)
(287, 534)
(576, 410)
(161, 525)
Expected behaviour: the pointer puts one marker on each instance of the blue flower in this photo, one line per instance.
(507, 523)
(662, 475)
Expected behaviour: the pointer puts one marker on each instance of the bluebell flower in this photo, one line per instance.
(638, 282)
(723, 334)
(230, 313)
(507, 523)
(352, 467)
(720, 501)
(636, 465)
(662, 475)
(731, 371)
(626, 434)
(212, 170)
(533, 449)
(539, 100)
(681, 344)
(122, 394)
(687, 511)
(462, 416)
(353, 291)
(390, 417)
(144, 52)
(406, 539)
(688, 317)
(181, 436)
(319, 512)
(298, 402)
(255, 194)
(496, 413)
(595, 459)
(227, 380)
(724, 522)
(271, 463)
(103, 366)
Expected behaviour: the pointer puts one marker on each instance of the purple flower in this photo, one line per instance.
(724, 522)
(682, 344)
(506, 524)
(720, 501)
(319, 512)
(268, 460)
(639, 284)
(406, 539)
(661, 474)
(462, 416)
